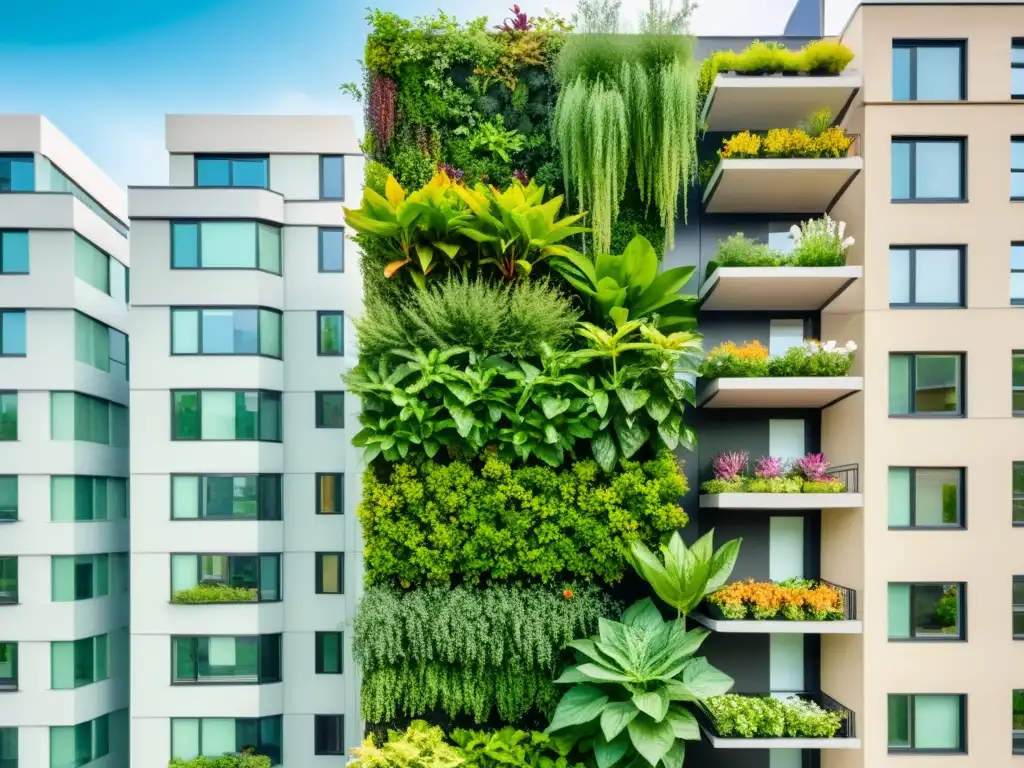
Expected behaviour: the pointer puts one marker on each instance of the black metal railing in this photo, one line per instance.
(847, 730)
(849, 599)
(849, 474)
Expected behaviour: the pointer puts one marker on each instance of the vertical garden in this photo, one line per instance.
(524, 374)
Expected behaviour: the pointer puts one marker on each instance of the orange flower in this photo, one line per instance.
(752, 350)
(567, 594)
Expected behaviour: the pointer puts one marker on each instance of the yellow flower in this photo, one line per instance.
(745, 144)
(787, 142)
(832, 143)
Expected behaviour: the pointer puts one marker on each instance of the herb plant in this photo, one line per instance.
(740, 716)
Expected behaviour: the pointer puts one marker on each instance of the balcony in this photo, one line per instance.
(815, 392)
(723, 732)
(741, 102)
(839, 617)
(776, 289)
(835, 488)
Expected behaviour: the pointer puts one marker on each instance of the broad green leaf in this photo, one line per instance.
(674, 757)
(606, 454)
(463, 419)
(651, 739)
(632, 435)
(551, 455)
(580, 704)
(573, 675)
(619, 315)
(608, 753)
(554, 406)
(653, 703)
(640, 263)
(667, 284)
(632, 400)
(658, 407)
(699, 681)
(722, 563)
(668, 430)
(684, 724)
(616, 716)
(600, 399)
(643, 614)
(599, 674)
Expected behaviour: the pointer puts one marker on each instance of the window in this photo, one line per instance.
(1018, 493)
(932, 722)
(72, 746)
(77, 498)
(926, 611)
(330, 410)
(926, 497)
(1016, 74)
(926, 277)
(1017, 273)
(328, 734)
(330, 333)
(332, 249)
(60, 182)
(74, 416)
(226, 331)
(926, 385)
(225, 245)
(100, 346)
(13, 252)
(8, 498)
(929, 70)
(8, 580)
(215, 736)
(1018, 607)
(330, 494)
(226, 415)
(1017, 168)
(226, 497)
(8, 674)
(80, 577)
(329, 655)
(259, 573)
(928, 170)
(17, 173)
(79, 662)
(236, 171)
(332, 177)
(12, 333)
(330, 576)
(240, 660)
(8, 748)
(92, 265)
(8, 415)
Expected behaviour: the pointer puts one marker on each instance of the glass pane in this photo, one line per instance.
(218, 736)
(332, 409)
(899, 276)
(899, 384)
(8, 668)
(938, 73)
(184, 331)
(102, 657)
(62, 576)
(183, 572)
(899, 721)
(1017, 155)
(184, 245)
(332, 245)
(246, 414)
(1017, 375)
(62, 747)
(899, 610)
(9, 416)
(62, 665)
(331, 494)
(937, 497)
(185, 738)
(12, 333)
(218, 415)
(270, 585)
(1017, 81)
(1017, 184)
(936, 610)
(118, 280)
(270, 333)
(243, 500)
(899, 496)
(8, 579)
(228, 244)
(101, 571)
(901, 74)
(186, 415)
(183, 662)
(245, 332)
(14, 253)
(249, 172)
(330, 649)
(9, 498)
(185, 497)
(937, 170)
(91, 265)
(270, 249)
(1017, 52)
(937, 276)
(270, 497)
(331, 177)
(212, 172)
(270, 738)
(330, 574)
(270, 416)
(1017, 286)
(936, 722)
(937, 384)
(17, 174)
(332, 333)
(900, 170)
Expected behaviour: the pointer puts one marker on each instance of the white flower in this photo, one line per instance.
(851, 346)
(829, 346)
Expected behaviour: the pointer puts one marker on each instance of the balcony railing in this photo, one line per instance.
(849, 474)
(849, 599)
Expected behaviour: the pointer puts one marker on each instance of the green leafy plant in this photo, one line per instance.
(419, 746)
(632, 689)
(223, 761)
(428, 523)
(478, 650)
(742, 716)
(214, 593)
(491, 136)
(752, 360)
(509, 747)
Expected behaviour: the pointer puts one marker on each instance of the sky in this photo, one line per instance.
(105, 72)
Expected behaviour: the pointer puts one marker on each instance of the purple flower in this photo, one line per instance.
(520, 176)
(517, 22)
(451, 171)
(814, 467)
(728, 466)
(768, 466)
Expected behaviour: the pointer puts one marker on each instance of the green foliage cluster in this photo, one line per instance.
(740, 716)
(468, 651)
(224, 761)
(771, 485)
(428, 523)
(812, 358)
(214, 593)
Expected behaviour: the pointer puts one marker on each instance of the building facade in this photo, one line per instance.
(63, 453)
(246, 567)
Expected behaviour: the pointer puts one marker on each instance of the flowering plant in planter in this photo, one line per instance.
(736, 715)
(752, 360)
(793, 599)
(808, 474)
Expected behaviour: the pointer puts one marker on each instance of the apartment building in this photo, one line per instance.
(246, 566)
(925, 431)
(63, 454)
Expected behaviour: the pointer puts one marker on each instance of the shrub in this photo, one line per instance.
(224, 761)
(808, 474)
(729, 360)
(820, 243)
(427, 523)
(751, 360)
(737, 250)
(476, 650)
(214, 593)
(786, 142)
(741, 716)
(829, 56)
(419, 746)
(796, 600)
(740, 145)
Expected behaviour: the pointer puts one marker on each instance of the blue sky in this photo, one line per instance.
(107, 71)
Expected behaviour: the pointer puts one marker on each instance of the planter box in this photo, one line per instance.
(742, 102)
(777, 289)
(777, 391)
(779, 185)
(780, 501)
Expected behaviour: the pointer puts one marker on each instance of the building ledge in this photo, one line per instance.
(778, 392)
(782, 289)
(759, 103)
(781, 627)
(719, 742)
(799, 185)
(777, 501)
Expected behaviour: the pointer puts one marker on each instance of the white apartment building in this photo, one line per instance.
(63, 454)
(242, 469)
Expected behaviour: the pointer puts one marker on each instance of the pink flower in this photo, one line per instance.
(728, 466)
(768, 466)
(814, 467)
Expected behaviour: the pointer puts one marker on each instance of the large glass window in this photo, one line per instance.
(232, 171)
(930, 170)
(13, 341)
(1017, 68)
(330, 573)
(330, 333)
(245, 660)
(926, 722)
(1018, 493)
(77, 498)
(332, 249)
(74, 416)
(17, 173)
(226, 331)
(226, 497)
(226, 415)
(8, 415)
(8, 669)
(926, 277)
(92, 265)
(13, 253)
(329, 653)
(1017, 168)
(79, 577)
(72, 746)
(330, 494)
(925, 384)
(926, 611)
(929, 70)
(213, 737)
(225, 245)
(79, 662)
(8, 748)
(328, 734)
(60, 182)
(8, 498)
(8, 580)
(332, 177)
(259, 573)
(330, 410)
(101, 346)
(926, 497)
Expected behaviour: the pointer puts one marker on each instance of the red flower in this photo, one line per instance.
(567, 594)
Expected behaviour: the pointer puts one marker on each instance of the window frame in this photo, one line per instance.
(1013, 495)
(260, 746)
(13, 599)
(222, 308)
(961, 617)
(961, 505)
(961, 302)
(1016, 43)
(11, 311)
(174, 680)
(8, 684)
(259, 572)
(320, 163)
(337, 723)
(319, 492)
(30, 156)
(111, 331)
(320, 250)
(320, 315)
(200, 501)
(913, 141)
(3, 232)
(318, 559)
(1016, 139)
(257, 223)
(94, 479)
(318, 397)
(319, 655)
(95, 593)
(230, 158)
(961, 411)
(1018, 301)
(961, 736)
(91, 644)
(3, 394)
(17, 499)
(913, 45)
(199, 416)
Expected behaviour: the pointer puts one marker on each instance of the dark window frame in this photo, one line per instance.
(912, 142)
(319, 492)
(1015, 301)
(320, 411)
(11, 599)
(30, 156)
(913, 45)
(961, 736)
(336, 723)
(4, 271)
(1017, 353)
(8, 684)
(320, 250)
(4, 393)
(961, 302)
(260, 747)
(260, 501)
(260, 650)
(320, 163)
(961, 411)
(1016, 44)
(259, 572)
(12, 311)
(318, 559)
(320, 331)
(1017, 139)
(318, 654)
(961, 502)
(199, 416)
(256, 245)
(230, 158)
(961, 616)
(1013, 495)
(232, 308)
(17, 498)
(112, 332)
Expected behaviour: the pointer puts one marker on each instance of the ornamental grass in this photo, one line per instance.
(794, 600)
